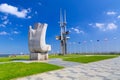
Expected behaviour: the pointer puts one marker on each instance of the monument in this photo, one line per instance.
(63, 35)
(37, 44)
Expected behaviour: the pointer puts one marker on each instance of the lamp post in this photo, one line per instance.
(115, 38)
(92, 46)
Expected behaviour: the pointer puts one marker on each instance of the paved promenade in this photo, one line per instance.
(60, 62)
(102, 70)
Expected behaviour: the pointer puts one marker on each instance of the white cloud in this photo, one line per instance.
(111, 26)
(118, 17)
(78, 31)
(15, 32)
(106, 26)
(6, 22)
(111, 13)
(100, 25)
(4, 17)
(81, 31)
(2, 25)
(29, 17)
(5, 8)
(3, 33)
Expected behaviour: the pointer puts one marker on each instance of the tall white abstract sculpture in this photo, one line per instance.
(37, 45)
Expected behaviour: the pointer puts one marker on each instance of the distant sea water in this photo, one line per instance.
(4, 55)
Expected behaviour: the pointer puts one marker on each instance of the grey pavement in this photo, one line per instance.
(101, 70)
(60, 62)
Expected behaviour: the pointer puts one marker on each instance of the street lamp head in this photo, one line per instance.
(67, 38)
(58, 37)
(67, 32)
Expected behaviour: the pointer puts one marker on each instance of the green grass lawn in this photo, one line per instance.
(69, 57)
(83, 58)
(14, 70)
(20, 57)
(88, 59)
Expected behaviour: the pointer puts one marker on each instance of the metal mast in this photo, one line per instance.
(64, 34)
(63, 38)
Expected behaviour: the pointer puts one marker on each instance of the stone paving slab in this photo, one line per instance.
(101, 70)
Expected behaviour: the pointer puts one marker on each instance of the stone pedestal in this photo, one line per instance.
(38, 56)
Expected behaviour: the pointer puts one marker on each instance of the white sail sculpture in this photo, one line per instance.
(37, 44)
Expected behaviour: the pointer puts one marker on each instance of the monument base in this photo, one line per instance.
(38, 56)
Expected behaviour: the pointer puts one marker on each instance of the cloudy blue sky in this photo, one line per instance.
(87, 21)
